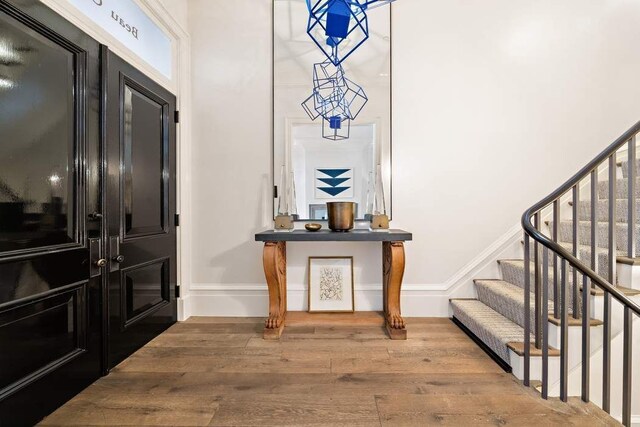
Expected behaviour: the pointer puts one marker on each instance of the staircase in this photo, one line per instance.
(579, 255)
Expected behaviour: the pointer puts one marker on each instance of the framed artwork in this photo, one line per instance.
(331, 284)
(333, 183)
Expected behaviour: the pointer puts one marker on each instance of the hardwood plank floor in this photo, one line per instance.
(220, 372)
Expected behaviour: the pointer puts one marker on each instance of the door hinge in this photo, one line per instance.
(177, 220)
(275, 191)
(177, 291)
(176, 116)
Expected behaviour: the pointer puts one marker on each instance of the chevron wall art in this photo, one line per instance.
(334, 183)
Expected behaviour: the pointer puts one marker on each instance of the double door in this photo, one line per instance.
(87, 205)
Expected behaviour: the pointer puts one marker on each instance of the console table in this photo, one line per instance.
(275, 270)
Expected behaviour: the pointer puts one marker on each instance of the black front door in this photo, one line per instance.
(50, 288)
(141, 200)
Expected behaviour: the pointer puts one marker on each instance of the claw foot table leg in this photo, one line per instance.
(275, 270)
(393, 271)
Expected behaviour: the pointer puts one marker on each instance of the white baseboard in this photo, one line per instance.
(184, 308)
(418, 300)
(247, 300)
(485, 265)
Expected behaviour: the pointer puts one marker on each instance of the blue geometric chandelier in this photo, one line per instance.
(332, 22)
(335, 98)
(338, 28)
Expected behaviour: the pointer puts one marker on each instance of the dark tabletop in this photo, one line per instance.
(333, 236)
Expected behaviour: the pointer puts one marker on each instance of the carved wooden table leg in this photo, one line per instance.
(393, 270)
(275, 270)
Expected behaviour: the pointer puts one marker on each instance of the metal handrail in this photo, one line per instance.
(527, 223)
(531, 225)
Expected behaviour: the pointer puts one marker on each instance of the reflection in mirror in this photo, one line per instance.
(37, 139)
(324, 170)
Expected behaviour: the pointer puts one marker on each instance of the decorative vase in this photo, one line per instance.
(378, 219)
(284, 219)
(341, 215)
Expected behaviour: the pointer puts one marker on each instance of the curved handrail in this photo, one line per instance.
(534, 233)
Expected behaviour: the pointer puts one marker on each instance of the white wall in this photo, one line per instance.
(178, 9)
(483, 92)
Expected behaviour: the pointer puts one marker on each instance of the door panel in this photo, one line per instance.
(37, 178)
(146, 287)
(44, 332)
(50, 307)
(141, 200)
(145, 190)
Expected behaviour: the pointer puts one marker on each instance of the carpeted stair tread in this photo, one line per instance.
(622, 191)
(513, 272)
(602, 210)
(495, 330)
(505, 298)
(565, 233)
(584, 254)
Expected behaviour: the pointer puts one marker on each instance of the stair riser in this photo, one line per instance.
(602, 210)
(512, 310)
(565, 234)
(584, 255)
(515, 275)
(625, 168)
(621, 189)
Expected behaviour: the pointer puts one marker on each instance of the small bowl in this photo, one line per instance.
(313, 227)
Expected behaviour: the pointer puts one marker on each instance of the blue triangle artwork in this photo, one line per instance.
(334, 183)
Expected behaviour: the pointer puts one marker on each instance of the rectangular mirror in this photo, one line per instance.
(326, 170)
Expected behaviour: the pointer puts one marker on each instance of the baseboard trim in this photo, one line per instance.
(504, 365)
(249, 300)
(184, 308)
(491, 254)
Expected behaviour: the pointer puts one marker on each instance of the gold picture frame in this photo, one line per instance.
(328, 293)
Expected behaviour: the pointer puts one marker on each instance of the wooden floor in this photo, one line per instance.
(220, 372)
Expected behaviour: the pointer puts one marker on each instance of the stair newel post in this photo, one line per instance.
(527, 311)
(631, 212)
(545, 317)
(576, 252)
(586, 337)
(554, 236)
(564, 333)
(538, 293)
(606, 331)
(627, 364)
